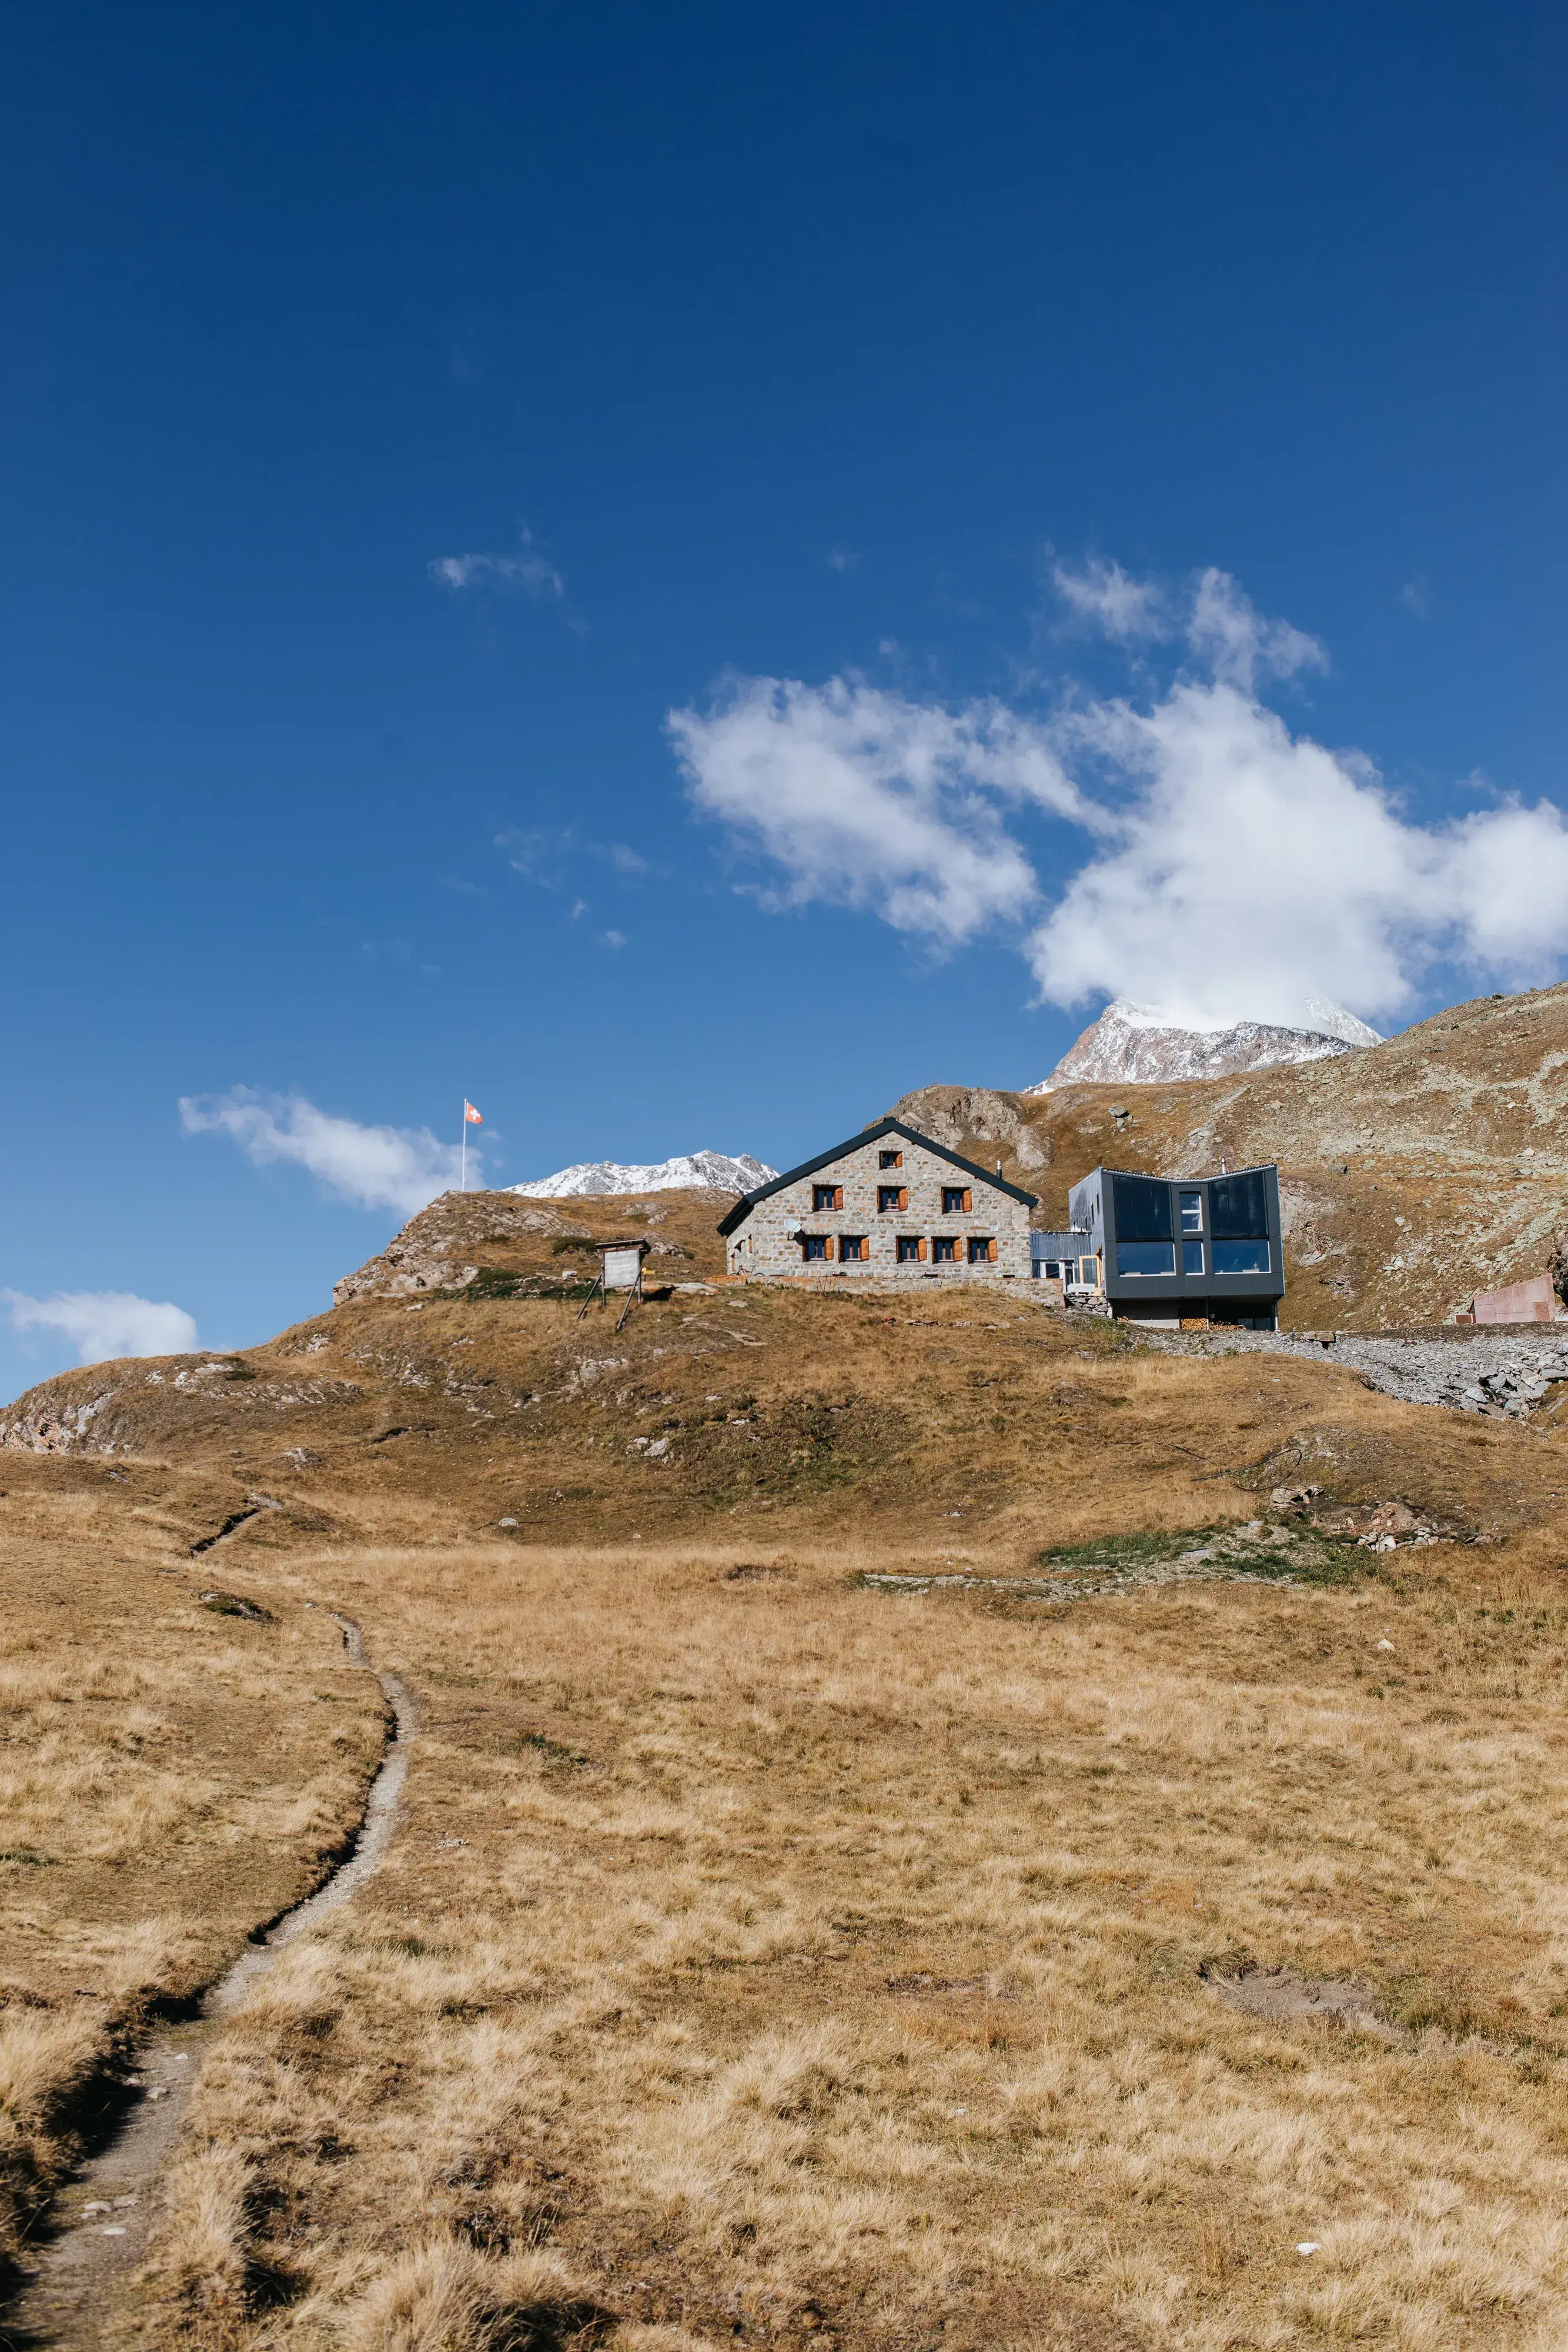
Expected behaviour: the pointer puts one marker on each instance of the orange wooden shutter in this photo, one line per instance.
(903, 1196)
(969, 1199)
(838, 1196)
(991, 1252)
(920, 1247)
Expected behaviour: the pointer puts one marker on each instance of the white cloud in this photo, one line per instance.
(400, 1167)
(843, 559)
(1233, 868)
(1250, 868)
(102, 1324)
(866, 799)
(527, 570)
(1230, 636)
(1105, 596)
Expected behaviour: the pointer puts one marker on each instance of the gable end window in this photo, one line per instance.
(890, 1158)
(827, 1196)
(956, 1201)
(891, 1196)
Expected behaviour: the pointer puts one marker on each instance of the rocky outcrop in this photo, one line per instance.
(444, 1248)
(964, 1117)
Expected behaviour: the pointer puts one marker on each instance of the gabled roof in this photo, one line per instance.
(881, 1127)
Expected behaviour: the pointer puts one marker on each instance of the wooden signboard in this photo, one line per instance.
(620, 1268)
(623, 1266)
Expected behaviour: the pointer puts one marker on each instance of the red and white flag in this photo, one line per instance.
(475, 1117)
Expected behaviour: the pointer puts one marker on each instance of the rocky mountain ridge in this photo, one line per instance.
(1136, 1044)
(702, 1171)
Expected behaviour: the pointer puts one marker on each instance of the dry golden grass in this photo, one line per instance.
(779, 1958)
(162, 1789)
(787, 1958)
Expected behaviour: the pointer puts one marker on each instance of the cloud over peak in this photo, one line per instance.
(1215, 861)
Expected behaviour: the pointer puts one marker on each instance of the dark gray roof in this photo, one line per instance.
(748, 1200)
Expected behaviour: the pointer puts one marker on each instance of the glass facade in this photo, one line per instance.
(1192, 1257)
(1142, 1207)
(1145, 1257)
(1242, 1257)
(1239, 1210)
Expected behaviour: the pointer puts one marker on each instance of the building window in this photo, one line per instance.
(956, 1201)
(980, 1251)
(891, 1196)
(944, 1249)
(1238, 1208)
(909, 1249)
(890, 1158)
(1142, 1207)
(1145, 1257)
(1242, 1257)
(852, 1246)
(827, 1196)
(1191, 1255)
(1089, 1273)
(816, 1247)
(1192, 1218)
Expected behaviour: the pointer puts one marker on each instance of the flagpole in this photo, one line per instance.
(464, 1185)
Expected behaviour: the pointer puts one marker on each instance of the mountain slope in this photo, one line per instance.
(1413, 1173)
(1134, 1045)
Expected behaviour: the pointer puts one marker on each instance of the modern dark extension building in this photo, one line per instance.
(1190, 1249)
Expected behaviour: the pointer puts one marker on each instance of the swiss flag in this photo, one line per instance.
(475, 1117)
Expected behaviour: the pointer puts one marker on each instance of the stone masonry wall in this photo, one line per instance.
(765, 1244)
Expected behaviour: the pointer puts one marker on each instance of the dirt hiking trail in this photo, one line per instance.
(101, 2222)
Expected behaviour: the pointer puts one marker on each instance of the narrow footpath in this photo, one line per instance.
(100, 2222)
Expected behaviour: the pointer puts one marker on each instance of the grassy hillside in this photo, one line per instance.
(1413, 1173)
(775, 1952)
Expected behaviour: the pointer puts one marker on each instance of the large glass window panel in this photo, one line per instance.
(1191, 1213)
(1192, 1257)
(1145, 1257)
(1242, 1257)
(1238, 1207)
(1088, 1271)
(1142, 1209)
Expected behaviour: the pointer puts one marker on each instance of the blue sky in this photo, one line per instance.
(1017, 438)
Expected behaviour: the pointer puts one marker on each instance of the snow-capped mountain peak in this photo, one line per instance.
(712, 1171)
(1138, 1045)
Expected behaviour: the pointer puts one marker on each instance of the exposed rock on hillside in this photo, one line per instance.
(1134, 1044)
(707, 1172)
(430, 1252)
(495, 1241)
(1413, 1173)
